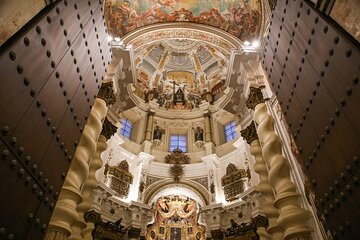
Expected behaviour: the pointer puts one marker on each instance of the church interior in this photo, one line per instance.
(179, 119)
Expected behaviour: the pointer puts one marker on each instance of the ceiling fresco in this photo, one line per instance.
(180, 73)
(241, 18)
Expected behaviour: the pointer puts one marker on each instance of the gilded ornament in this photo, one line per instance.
(108, 129)
(249, 133)
(260, 221)
(106, 93)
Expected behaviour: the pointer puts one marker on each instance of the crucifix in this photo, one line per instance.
(173, 82)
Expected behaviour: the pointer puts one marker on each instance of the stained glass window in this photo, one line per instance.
(126, 128)
(230, 132)
(178, 141)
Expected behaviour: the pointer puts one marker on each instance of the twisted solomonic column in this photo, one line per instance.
(65, 213)
(91, 182)
(264, 187)
(292, 218)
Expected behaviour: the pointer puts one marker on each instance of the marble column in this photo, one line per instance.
(293, 219)
(65, 213)
(273, 230)
(91, 182)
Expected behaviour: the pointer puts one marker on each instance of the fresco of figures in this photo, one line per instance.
(241, 18)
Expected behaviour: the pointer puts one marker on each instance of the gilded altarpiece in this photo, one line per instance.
(176, 218)
(234, 182)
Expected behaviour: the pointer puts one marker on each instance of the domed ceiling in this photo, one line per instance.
(241, 18)
(180, 73)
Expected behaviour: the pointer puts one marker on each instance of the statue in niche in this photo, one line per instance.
(199, 134)
(179, 96)
(157, 133)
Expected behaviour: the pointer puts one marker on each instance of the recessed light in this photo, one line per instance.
(109, 38)
(255, 43)
(246, 43)
(117, 39)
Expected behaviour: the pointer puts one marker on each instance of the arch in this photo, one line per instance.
(156, 188)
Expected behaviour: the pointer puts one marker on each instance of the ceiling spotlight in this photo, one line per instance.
(246, 43)
(255, 43)
(109, 38)
(117, 39)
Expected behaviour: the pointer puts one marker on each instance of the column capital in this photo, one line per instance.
(92, 216)
(260, 221)
(255, 97)
(106, 93)
(108, 129)
(249, 133)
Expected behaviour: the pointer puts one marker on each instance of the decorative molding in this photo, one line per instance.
(249, 133)
(255, 97)
(108, 129)
(106, 93)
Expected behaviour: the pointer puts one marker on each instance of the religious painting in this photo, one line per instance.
(240, 18)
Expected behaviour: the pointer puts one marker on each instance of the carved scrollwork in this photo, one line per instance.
(177, 156)
(255, 97)
(249, 133)
(106, 93)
